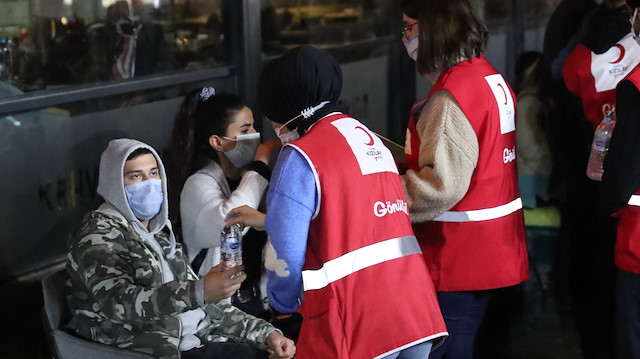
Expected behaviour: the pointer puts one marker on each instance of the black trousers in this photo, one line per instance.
(228, 350)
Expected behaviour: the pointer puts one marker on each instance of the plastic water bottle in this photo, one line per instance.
(600, 146)
(230, 247)
(231, 255)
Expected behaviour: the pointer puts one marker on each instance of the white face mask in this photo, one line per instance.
(412, 47)
(293, 134)
(245, 150)
(633, 30)
(289, 136)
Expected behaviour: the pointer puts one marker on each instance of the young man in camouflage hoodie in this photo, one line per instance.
(130, 284)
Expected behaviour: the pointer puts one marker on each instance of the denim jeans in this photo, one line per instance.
(462, 313)
(225, 350)
(418, 351)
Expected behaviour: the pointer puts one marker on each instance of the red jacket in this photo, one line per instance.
(627, 250)
(594, 77)
(368, 291)
(480, 243)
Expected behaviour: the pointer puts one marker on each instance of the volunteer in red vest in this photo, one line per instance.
(605, 54)
(462, 179)
(342, 244)
(621, 182)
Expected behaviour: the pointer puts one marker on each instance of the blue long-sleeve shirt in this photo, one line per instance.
(291, 203)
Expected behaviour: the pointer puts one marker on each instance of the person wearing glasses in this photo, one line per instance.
(462, 185)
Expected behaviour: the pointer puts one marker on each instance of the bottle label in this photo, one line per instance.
(231, 247)
(599, 145)
(230, 253)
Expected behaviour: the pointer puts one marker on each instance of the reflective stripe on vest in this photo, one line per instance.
(481, 214)
(634, 200)
(361, 258)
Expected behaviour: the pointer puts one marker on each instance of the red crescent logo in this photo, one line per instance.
(370, 143)
(622, 52)
(505, 94)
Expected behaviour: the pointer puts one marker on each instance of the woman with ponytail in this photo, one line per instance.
(217, 163)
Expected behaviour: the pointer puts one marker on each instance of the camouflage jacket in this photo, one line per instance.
(116, 294)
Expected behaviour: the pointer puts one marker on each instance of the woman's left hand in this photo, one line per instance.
(246, 216)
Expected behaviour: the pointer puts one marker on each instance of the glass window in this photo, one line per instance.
(47, 44)
(326, 24)
(359, 33)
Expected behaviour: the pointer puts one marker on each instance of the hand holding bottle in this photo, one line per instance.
(246, 216)
(220, 285)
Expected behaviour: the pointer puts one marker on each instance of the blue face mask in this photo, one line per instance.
(145, 198)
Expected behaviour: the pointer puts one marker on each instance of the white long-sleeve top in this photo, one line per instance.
(205, 201)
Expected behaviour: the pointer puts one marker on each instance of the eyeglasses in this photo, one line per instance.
(407, 28)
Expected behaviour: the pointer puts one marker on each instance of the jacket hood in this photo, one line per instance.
(111, 182)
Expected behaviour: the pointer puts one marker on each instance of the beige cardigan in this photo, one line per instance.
(448, 156)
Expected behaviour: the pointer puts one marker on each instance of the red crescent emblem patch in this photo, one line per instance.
(370, 143)
(622, 53)
(506, 100)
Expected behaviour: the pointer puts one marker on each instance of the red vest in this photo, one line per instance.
(594, 77)
(367, 288)
(627, 252)
(480, 243)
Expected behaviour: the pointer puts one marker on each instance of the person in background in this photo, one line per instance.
(461, 184)
(339, 225)
(605, 54)
(621, 185)
(127, 43)
(130, 286)
(560, 39)
(534, 158)
(535, 164)
(218, 163)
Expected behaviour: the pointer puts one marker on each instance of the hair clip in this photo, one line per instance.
(306, 113)
(206, 92)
